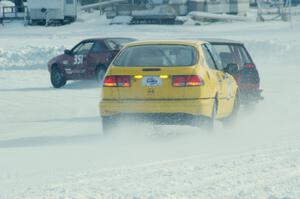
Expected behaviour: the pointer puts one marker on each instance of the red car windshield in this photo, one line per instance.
(117, 43)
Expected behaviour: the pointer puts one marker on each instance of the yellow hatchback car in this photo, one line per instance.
(168, 82)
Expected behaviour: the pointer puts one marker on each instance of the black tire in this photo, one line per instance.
(108, 123)
(210, 124)
(57, 77)
(100, 73)
(230, 120)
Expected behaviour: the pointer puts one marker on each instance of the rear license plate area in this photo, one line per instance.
(151, 81)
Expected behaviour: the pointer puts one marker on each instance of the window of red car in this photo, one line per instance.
(83, 48)
(226, 54)
(98, 47)
(117, 43)
(233, 54)
(245, 56)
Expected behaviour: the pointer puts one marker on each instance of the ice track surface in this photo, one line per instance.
(51, 144)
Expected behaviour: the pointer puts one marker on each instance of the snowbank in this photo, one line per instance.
(29, 57)
(32, 57)
(121, 20)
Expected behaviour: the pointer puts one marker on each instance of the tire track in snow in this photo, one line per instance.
(244, 176)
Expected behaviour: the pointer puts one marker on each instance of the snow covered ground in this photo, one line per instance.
(51, 144)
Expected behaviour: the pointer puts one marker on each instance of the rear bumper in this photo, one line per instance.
(248, 95)
(159, 118)
(200, 107)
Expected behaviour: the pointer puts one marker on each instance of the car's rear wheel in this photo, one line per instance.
(57, 77)
(100, 73)
(108, 123)
(230, 120)
(210, 122)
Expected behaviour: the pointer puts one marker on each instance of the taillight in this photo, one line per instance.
(187, 80)
(249, 66)
(179, 80)
(194, 80)
(123, 81)
(117, 81)
(110, 81)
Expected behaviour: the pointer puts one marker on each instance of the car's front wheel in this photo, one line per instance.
(108, 123)
(57, 77)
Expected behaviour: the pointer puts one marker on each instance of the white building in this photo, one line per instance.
(52, 10)
(183, 7)
(239, 7)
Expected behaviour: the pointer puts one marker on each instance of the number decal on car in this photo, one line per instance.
(78, 59)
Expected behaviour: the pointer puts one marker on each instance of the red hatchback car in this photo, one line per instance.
(88, 59)
(234, 53)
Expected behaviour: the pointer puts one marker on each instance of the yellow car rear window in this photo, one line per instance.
(157, 55)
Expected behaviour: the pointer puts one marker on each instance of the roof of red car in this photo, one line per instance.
(105, 38)
(226, 41)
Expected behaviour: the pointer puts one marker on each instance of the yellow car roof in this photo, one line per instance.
(172, 42)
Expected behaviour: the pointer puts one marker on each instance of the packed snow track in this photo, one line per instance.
(51, 142)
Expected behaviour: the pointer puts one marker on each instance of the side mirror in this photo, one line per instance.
(231, 68)
(68, 52)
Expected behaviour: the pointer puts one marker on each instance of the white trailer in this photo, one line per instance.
(239, 7)
(47, 11)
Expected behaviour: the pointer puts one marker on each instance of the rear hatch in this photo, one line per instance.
(154, 71)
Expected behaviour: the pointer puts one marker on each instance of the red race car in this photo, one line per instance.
(234, 53)
(88, 59)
